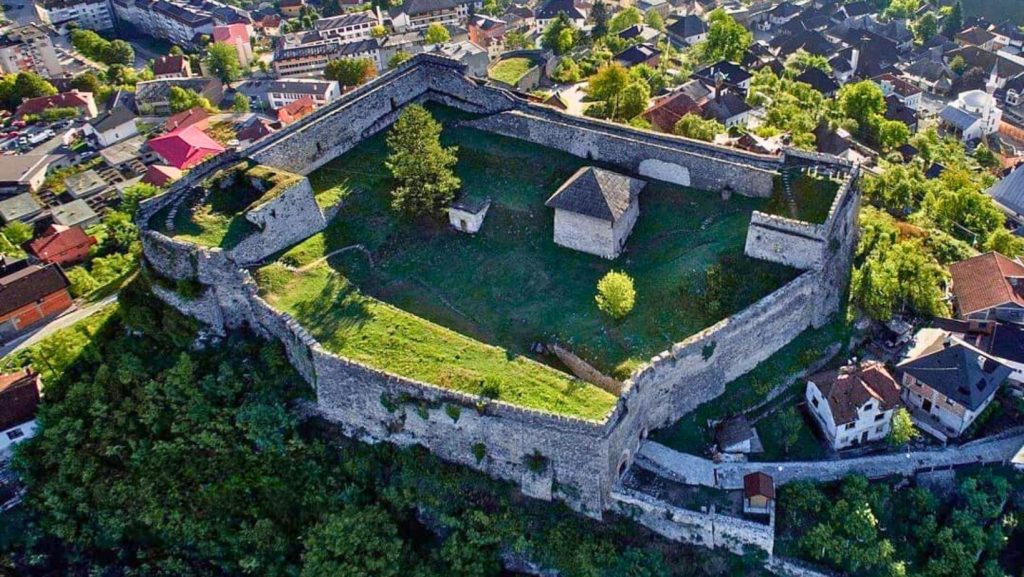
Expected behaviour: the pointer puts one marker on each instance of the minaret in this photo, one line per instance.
(990, 102)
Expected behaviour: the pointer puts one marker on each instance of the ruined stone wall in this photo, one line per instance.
(662, 157)
(711, 529)
(290, 217)
(785, 241)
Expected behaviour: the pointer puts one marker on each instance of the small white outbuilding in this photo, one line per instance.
(467, 214)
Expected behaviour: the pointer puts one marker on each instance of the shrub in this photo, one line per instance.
(453, 412)
(536, 462)
(81, 281)
(615, 294)
(479, 451)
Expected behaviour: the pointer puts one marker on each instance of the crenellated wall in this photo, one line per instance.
(550, 456)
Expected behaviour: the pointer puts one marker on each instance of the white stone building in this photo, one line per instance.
(854, 404)
(467, 214)
(91, 14)
(595, 211)
(281, 93)
(348, 27)
(29, 49)
(111, 127)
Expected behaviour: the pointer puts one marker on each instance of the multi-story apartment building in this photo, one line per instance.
(311, 57)
(348, 27)
(91, 14)
(181, 23)
(417, 14)
(281, 93)
(29, 49)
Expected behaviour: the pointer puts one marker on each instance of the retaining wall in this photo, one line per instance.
(581, 460)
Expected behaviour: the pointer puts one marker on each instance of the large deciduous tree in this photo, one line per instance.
(420, 165)
(350, 71)
(222, 61)
(727, 39)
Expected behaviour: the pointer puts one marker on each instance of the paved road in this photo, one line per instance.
(63, 321)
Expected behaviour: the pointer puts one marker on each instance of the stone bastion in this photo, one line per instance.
(550, 456)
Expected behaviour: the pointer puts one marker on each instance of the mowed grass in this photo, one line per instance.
(365, 329)
(219, 221)
(812, 195)
(510, 70)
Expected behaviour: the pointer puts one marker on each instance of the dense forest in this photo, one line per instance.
(160, 458)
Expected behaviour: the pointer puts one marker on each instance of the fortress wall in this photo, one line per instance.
(673, 160)
(374, 405)
(170, 258)
(784, 241)
(290, 217)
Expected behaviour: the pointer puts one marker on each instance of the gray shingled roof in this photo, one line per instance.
(1009, 191)
(597, 193)
(959, 372)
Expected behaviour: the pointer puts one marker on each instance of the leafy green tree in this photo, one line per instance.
(902, 9)
(119, 52)
(240, 103)
(180, 99)
(801, 60)
(727, 39)
(351, 71)
(615, 294)
(566, 71)
(516, 40)
(926, 27)
(958, 64)
(222, 61)
(134, 194)
(791, 107)
(903, 430)
(891, 134)
(82, 283)
(14, 88)
(986, 158)
(624, 19)
(599, 16)
(378, 31)
(420, 165)
(653, 19)
(473, 549)
(1005, 243)
(436, 34)
(954, 21)
(122, 233)
(861, 101)
(399, 57)
(790, 424)
(897, 189)
(88, 82)
(633, 101)
(955, 204)
(555, 37)
(355, 541)
(693, 126)
(17, 232)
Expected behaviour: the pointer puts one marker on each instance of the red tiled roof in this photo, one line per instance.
(19, 397)
(58, 239)
(185, 118)
(169, 65)
(160, 175)
(29, 284)
(666, 112)
(848, 389)
(296, 109)
(73, 99)
(983, 282)
(254, 130)
(185, 147)
(758, 485)
(231, 33)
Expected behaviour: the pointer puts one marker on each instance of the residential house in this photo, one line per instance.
(687, 30)
(153, 97)
(727, 108)
(488, 33)
(474, 57)
(988, 287)
(281, 93)
(348, 27)
(947, 383)
(111, 127)
(85, 184)
(662, 7)
(730, 75)
(639, 54)
(22, 207)
(854, 14)
(1002, 341)
(758, 494)
(19, 401)
(160, 175)
(236, 36)
(552, 8)
(893, 85)
(896, 110)
(819, 80)
(736, 435)
(194, 116)
(975, 36)
(172, 67)
(418, 14)
(783, 13)
(61, 245)
(75, 213)
(595, 211)
(1008, 193)
(667, 110)
(184, 148)
(517, 17)
(23, 173)
(30, 294)
(292, 8)
(930, 75)
(90, 14)
(311, 58)
(254, 129)
(29, 49)
(295, 110)
(82, 101)
(641, 33)
(854, 404)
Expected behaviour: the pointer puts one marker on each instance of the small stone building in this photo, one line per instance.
(595, 211)
(467, 214)
(758, 494)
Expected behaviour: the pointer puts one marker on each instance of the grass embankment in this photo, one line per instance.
(812, 198)
(510, 70)
(510, 284)
(691, 433)
(220, 220)
(52, 355)
(364, 329)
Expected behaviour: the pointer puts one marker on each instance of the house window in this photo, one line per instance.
(15, 434)
(814, 401)
(880, 417)
(849, 426)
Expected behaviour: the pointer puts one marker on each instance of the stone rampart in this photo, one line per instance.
(290, 217)
(551, 456)
(711, 529)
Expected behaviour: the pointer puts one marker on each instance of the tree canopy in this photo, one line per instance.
(420, 165)
(351, 71)
(222, 61)
(727, 39)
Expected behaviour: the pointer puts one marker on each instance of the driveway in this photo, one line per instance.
(67, 319)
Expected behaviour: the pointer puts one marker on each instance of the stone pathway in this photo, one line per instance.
(696, 470)
(787, 193)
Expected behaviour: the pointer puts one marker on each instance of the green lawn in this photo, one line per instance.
(813, 197)
(510, 284)
(510, 70)
(364, 329)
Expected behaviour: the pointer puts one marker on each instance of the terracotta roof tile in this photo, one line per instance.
(19, 397)
(848, 390)
(983, 282)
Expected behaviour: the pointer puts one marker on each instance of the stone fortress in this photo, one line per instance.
(551, 456)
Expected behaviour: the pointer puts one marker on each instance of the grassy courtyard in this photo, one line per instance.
(811, 198)
(510, 70)
(509, 285)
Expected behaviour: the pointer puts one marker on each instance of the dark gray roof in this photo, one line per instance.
(818, 80)
(116, 117)
(637, 54)
(733, 74)
(553, 8)
(344, 20)
(1009, 191)
(687, 26)
(597, 193)
(958, 118)
(959, 372)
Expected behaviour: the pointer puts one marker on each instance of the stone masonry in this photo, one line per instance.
(550, 456)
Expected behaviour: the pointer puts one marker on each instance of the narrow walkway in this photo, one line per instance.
(787, 194)
(695, 470)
